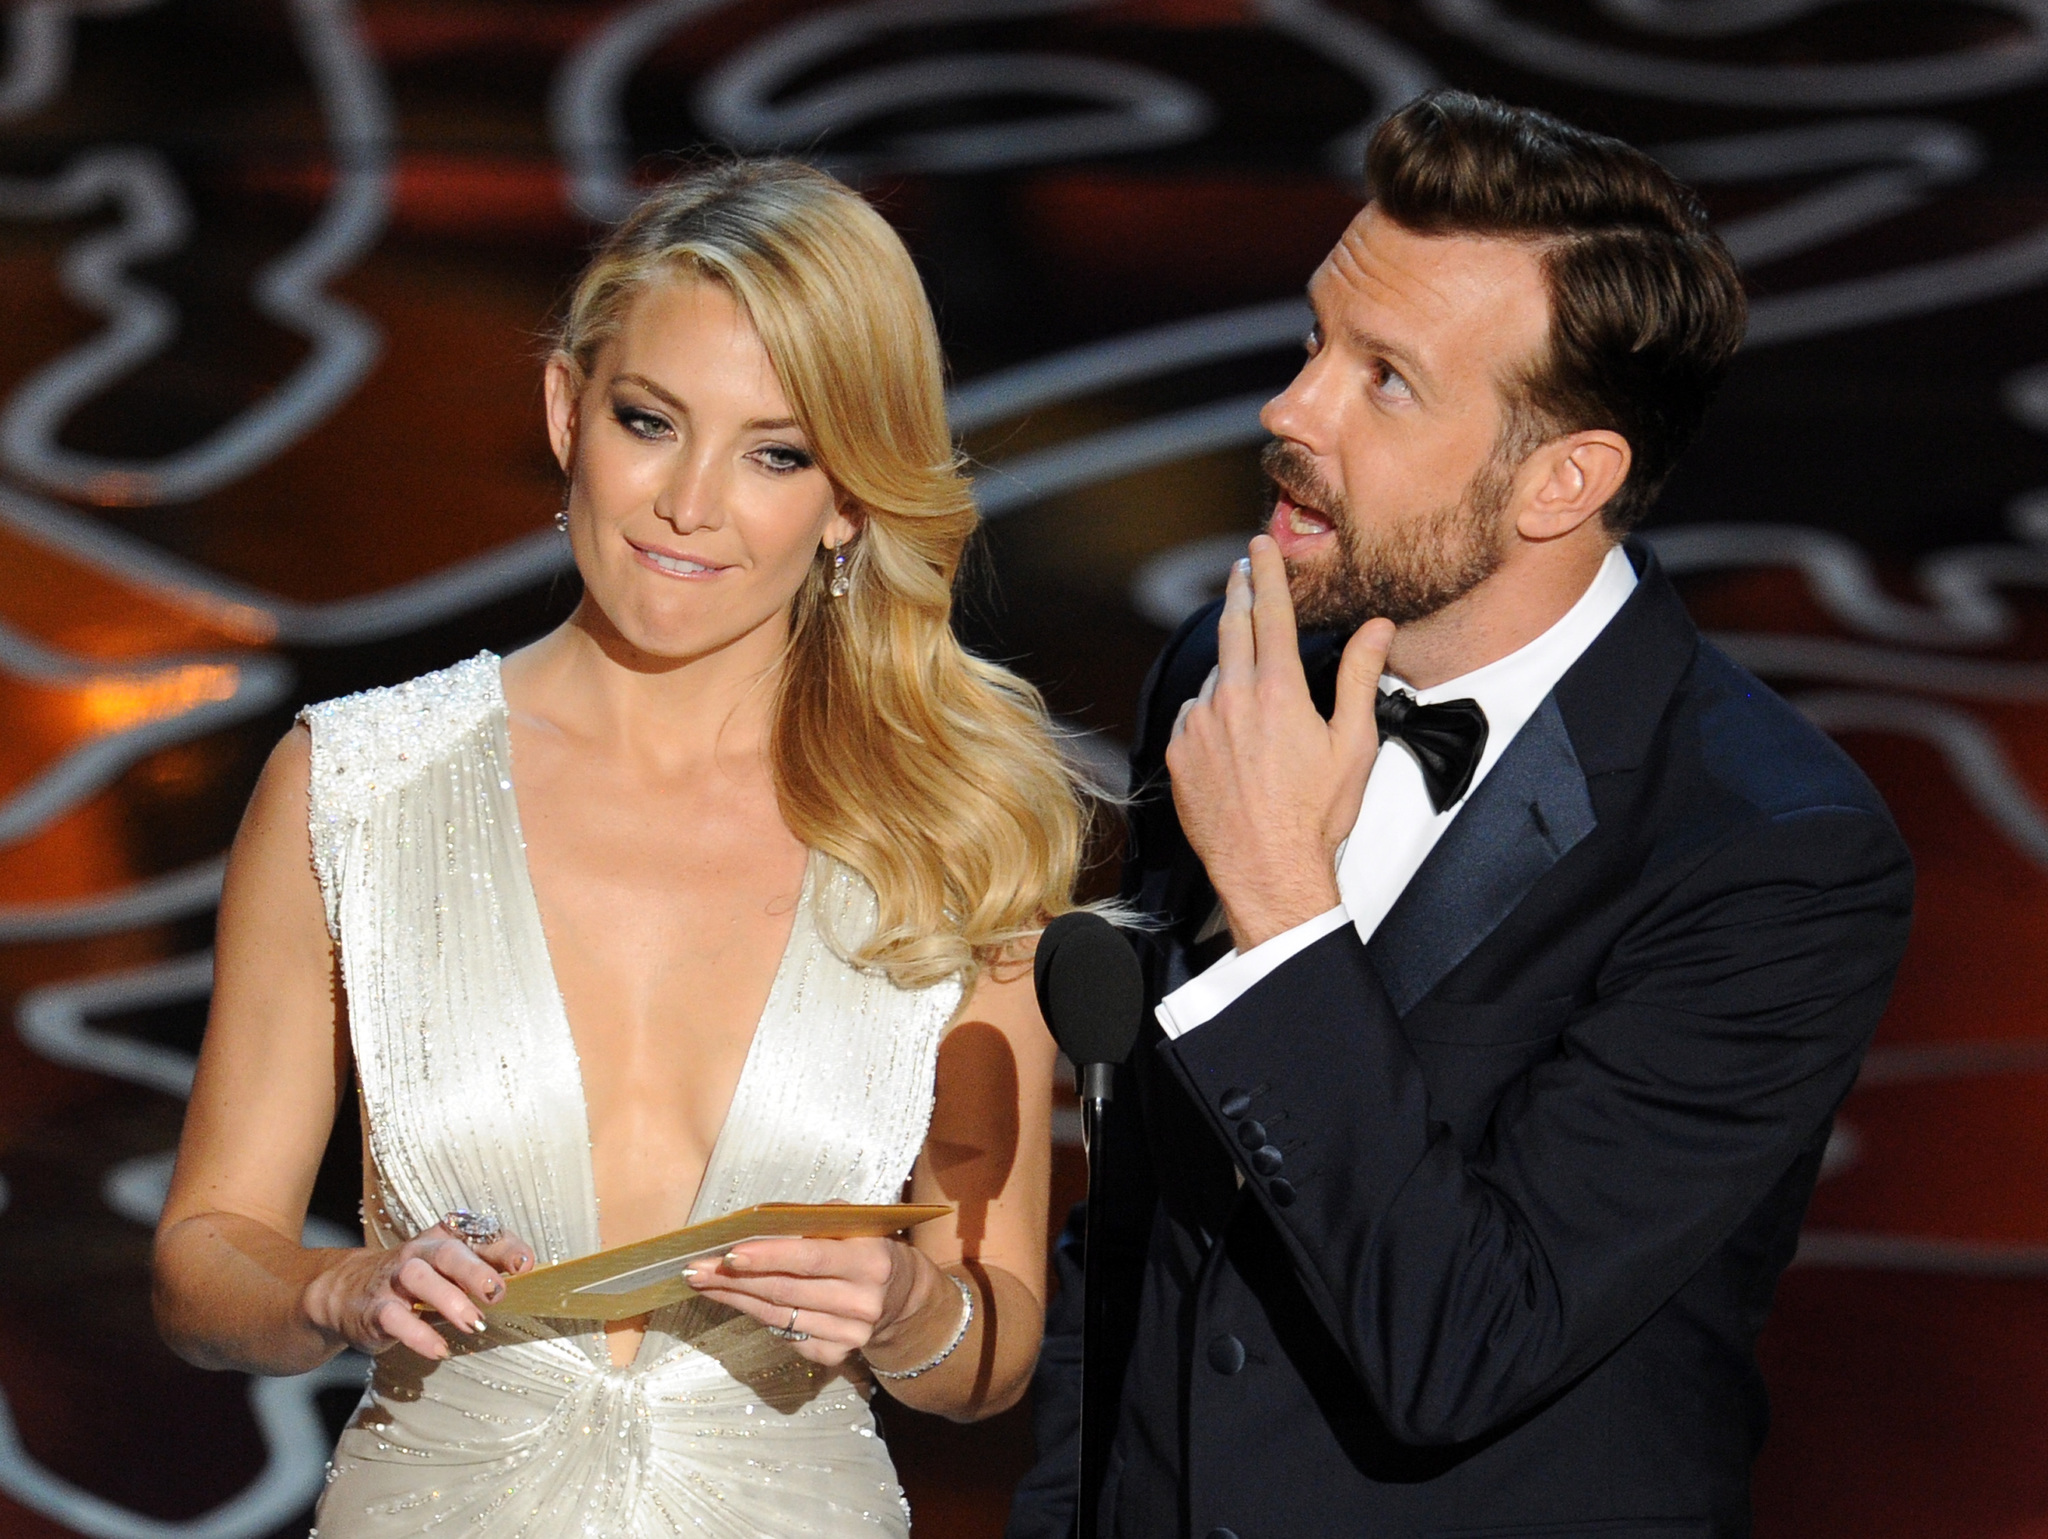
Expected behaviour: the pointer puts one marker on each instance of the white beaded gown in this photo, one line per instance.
(472, 1098)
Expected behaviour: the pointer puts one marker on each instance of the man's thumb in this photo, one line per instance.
(1358, 683)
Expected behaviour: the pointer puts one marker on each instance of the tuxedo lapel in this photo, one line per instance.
(1529, 811)
(1535, 805)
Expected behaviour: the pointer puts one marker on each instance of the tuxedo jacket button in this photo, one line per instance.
(1226, 1353)
(1266, 1160)
(1282, 1193)
(1235, 1103)
(1221, 1533)
(1251, 1134)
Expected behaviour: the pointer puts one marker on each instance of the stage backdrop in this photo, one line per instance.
(275, 280)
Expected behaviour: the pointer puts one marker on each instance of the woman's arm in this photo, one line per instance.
(234, 1287)
(989, 1152)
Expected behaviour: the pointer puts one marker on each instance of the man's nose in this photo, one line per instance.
(1291, 413)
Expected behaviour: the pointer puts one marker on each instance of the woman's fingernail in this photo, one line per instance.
(690, 1273)
(738, 1262)
(1244, 566)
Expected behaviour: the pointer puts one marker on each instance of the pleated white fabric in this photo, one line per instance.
(473, 1098)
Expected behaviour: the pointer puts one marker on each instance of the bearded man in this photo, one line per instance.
(1513, 946)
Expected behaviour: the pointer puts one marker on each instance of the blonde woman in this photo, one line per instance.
(666, 914)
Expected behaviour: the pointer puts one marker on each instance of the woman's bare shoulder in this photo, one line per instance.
(279, 804)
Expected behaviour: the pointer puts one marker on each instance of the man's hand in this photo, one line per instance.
(1266, 789)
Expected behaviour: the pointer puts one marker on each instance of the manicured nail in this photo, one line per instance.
(690, 1273)
(1244, 566)
(738, 1262)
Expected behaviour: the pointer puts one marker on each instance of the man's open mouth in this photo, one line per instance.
(1296, 527)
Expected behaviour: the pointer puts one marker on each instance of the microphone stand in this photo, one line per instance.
(1096, 1082)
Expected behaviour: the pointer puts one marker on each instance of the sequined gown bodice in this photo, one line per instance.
(473, 1098)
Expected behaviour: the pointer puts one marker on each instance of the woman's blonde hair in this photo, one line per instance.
(934, 774)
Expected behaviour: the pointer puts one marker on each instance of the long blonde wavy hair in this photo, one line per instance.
(933, 773)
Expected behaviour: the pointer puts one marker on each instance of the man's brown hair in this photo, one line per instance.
(1646, 307)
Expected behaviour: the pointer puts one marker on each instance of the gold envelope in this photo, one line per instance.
(630, 1280)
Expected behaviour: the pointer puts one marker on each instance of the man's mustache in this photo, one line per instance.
(1290, 472)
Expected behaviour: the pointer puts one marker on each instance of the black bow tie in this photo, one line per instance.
(1446, 739)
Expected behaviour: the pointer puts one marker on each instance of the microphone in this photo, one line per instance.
(1091, 992)
(1092, 995)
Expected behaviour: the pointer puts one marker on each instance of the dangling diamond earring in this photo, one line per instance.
(562, 520)
(839, 577)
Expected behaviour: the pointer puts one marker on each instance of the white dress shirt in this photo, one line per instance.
(1397, 827)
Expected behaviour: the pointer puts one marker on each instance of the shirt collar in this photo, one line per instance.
(1509, 689)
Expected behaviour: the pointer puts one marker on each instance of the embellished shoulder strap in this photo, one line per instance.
(368, 745)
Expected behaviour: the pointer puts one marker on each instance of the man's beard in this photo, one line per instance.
(1403, 574)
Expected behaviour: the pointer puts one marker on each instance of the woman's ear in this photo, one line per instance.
(559, 385)
(1575, 477)
(840, 528)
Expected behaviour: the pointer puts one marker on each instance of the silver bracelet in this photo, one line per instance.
(966, 1319)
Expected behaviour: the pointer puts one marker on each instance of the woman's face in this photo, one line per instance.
(695, 508)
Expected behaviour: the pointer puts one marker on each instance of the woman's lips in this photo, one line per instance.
(674, 563)
(1297, 530)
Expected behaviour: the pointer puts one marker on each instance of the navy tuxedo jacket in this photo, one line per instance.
(1470, 1230)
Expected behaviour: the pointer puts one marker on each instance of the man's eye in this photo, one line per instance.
(641, 424)
(1391, 383)
(782, 459)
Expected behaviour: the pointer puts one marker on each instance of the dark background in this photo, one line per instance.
(275, 280)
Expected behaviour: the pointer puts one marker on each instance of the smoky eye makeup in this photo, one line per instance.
(638, 420)
(784, 459)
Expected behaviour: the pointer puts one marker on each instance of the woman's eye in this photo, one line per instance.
(641, 424)
(782, 459)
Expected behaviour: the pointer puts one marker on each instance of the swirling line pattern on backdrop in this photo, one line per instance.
(1871, 155)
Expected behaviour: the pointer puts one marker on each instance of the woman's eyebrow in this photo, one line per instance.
(756, 425)
(654, 390)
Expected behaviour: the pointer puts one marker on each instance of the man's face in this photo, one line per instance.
(1393, 481)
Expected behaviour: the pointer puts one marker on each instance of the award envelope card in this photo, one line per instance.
(630, 1280)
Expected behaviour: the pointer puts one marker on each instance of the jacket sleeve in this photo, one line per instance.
(1726, 1027)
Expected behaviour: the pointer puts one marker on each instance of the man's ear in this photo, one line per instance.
(1570, 479)
(559, 386)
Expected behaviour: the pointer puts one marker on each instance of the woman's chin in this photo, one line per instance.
(662, 640)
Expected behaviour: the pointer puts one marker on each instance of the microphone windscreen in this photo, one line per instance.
(1090, 988)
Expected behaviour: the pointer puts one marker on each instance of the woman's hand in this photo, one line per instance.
(847, 1295)
(367, 1299)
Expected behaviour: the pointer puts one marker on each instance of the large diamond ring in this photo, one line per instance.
(474, 1229)
(789, 1332)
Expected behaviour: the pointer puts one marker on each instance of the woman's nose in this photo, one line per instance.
(692, 499)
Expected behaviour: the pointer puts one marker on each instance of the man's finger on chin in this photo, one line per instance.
(1273, 626)
(1236, 653)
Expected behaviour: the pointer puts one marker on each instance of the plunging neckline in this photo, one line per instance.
(748, 1066)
